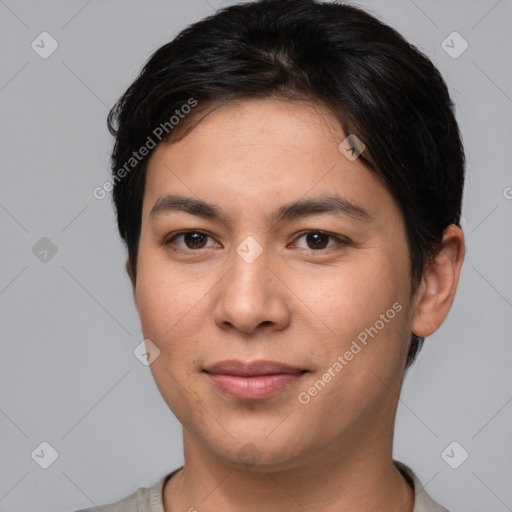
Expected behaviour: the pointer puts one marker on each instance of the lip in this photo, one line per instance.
(255, 380)
(251, 368)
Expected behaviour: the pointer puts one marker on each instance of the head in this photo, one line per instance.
(312, 158)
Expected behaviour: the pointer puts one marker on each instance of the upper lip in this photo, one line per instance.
(251, 368)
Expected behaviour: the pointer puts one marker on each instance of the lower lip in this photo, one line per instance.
(254, 388)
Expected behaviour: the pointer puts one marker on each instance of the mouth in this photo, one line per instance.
(254, 380)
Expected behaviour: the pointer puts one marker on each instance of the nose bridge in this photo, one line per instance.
(250, 270)
(249, 278)
(249, 296)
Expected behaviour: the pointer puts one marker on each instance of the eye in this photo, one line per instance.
(191, 239)
(318, 240)
(195, 240)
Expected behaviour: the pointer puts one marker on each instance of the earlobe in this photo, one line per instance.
(439, 283)
(130, 273)
(128, 268)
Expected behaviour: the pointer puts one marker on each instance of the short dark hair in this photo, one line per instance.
(381, 89)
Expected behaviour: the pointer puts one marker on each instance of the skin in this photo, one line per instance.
(296, 303)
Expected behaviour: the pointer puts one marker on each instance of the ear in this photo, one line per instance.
(128, 268)
(436, 291)
(129, 271)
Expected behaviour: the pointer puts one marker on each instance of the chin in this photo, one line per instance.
(258, 453)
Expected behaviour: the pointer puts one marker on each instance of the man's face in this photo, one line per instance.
(252, 285)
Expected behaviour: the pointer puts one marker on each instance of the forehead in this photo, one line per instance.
(255, 152)
(256, 120)
(266, 129)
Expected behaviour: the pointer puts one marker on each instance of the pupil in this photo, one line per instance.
(194, 240)
(317, 240)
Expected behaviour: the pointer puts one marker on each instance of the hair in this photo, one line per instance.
(380, 87)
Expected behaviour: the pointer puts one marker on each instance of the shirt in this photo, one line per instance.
(150, 499)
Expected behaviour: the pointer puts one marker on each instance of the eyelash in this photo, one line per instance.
(338, 240)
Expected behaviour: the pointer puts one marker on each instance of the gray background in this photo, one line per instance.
(69, 327)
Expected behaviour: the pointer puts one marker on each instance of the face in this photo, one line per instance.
(261, 241)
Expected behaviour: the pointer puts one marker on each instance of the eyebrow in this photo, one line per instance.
(334, 205)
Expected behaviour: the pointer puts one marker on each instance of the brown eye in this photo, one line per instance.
(190, 240)
(317, 240)
(195, 240)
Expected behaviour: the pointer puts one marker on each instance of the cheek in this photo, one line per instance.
(167, 301)
(348, 298)
(172, 314)
(360, 359)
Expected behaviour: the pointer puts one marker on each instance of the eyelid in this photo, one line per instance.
(339, 240)
(169, 239)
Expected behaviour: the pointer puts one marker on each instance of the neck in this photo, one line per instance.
(325, 482)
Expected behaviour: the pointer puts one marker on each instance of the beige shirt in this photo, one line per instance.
(150, 499)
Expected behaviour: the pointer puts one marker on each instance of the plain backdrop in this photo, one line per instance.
(69, 377)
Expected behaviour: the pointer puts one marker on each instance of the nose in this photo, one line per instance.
(251, 298)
